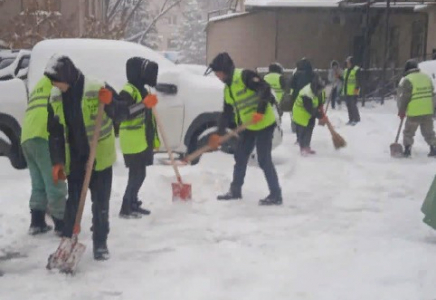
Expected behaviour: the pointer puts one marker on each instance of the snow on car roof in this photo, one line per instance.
(293, 3)
(94, 57)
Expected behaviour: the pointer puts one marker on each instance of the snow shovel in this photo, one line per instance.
(188, 159)
(181, 191)
(70, 250)
(396, 148)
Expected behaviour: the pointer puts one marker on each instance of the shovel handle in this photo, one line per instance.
(166, 145)
(399, 131)
(89, 167)
(223, 139)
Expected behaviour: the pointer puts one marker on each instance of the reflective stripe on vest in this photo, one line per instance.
(348, 89)
(273, 79)
(299, 114)
(105, 153)
(132, 132)
(35, 120)
(421, 103)
(245, 102)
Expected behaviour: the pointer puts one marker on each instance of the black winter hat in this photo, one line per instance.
(60, 68)
(275, 68)
(410, 64)
(222, 63)
(141, 71)
(317, 84)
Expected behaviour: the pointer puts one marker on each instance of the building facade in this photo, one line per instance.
(318, 30)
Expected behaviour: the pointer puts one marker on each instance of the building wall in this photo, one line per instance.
(249, 39)
(321, 41)
(431, 36)
(320, 35)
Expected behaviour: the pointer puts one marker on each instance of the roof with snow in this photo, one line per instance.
(293, 3)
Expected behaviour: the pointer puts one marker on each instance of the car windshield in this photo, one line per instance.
(6, 62)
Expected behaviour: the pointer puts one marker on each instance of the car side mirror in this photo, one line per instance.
(167, 88)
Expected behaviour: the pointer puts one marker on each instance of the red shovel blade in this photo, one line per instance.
(182, 192)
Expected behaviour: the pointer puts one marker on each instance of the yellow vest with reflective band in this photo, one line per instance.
(421, 103)
(245, 102)
(348, 90)
(105, 154)
(35, 120)
(273, 79)
(300, 115)
(133, 132)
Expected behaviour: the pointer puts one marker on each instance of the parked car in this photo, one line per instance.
(189, 104)
(14, 64)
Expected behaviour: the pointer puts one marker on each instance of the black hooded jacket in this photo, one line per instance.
(62, 69)
(141, 72)
(302, 77)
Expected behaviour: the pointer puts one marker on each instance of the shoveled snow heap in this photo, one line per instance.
(350, 228)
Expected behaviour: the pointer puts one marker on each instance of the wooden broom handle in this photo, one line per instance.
(165, 142)
(89, 167)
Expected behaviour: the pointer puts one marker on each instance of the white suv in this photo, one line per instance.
(189, 104)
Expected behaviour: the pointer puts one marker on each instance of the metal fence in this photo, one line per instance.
(371, 86)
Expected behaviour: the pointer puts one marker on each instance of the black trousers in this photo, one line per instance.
(304, 134)
(353, 111)
(100, 187)
(262, 140)
(136, 179)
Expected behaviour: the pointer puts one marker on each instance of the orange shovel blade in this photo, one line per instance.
(182, 192)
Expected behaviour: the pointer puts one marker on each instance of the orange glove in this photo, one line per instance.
(150, 101)
(214, 141)
(105, 96)
(58, 173)
(257, 117)
(356, 92)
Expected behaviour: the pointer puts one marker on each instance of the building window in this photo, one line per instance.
(418, 39)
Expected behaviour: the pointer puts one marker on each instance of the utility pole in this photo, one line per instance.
(386, 52)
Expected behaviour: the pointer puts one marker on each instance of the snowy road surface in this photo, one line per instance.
(350, 229)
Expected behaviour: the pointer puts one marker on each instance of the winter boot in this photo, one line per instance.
(136, 207)
(306, 151)
(126, 211)
(271, 200)
(432, 152)
(407, 151)
(59, 226)
(37, 223)
(232, 194)
(101, 252)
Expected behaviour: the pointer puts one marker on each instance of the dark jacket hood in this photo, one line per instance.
(62, 69)
(141, 71)
(304, 65)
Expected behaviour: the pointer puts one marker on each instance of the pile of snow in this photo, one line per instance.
(350, 228)
(429, 68)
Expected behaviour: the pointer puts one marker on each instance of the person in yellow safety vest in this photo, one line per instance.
(416, 100)
(307, 107)
(248, 98)
(276, 80)
(72, 112)
(34, 142)
(138, 134)
(351, 79)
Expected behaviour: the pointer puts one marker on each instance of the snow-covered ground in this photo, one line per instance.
(350, 228)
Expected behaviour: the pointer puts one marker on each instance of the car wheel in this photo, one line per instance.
(201, 140)
(12, 148)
